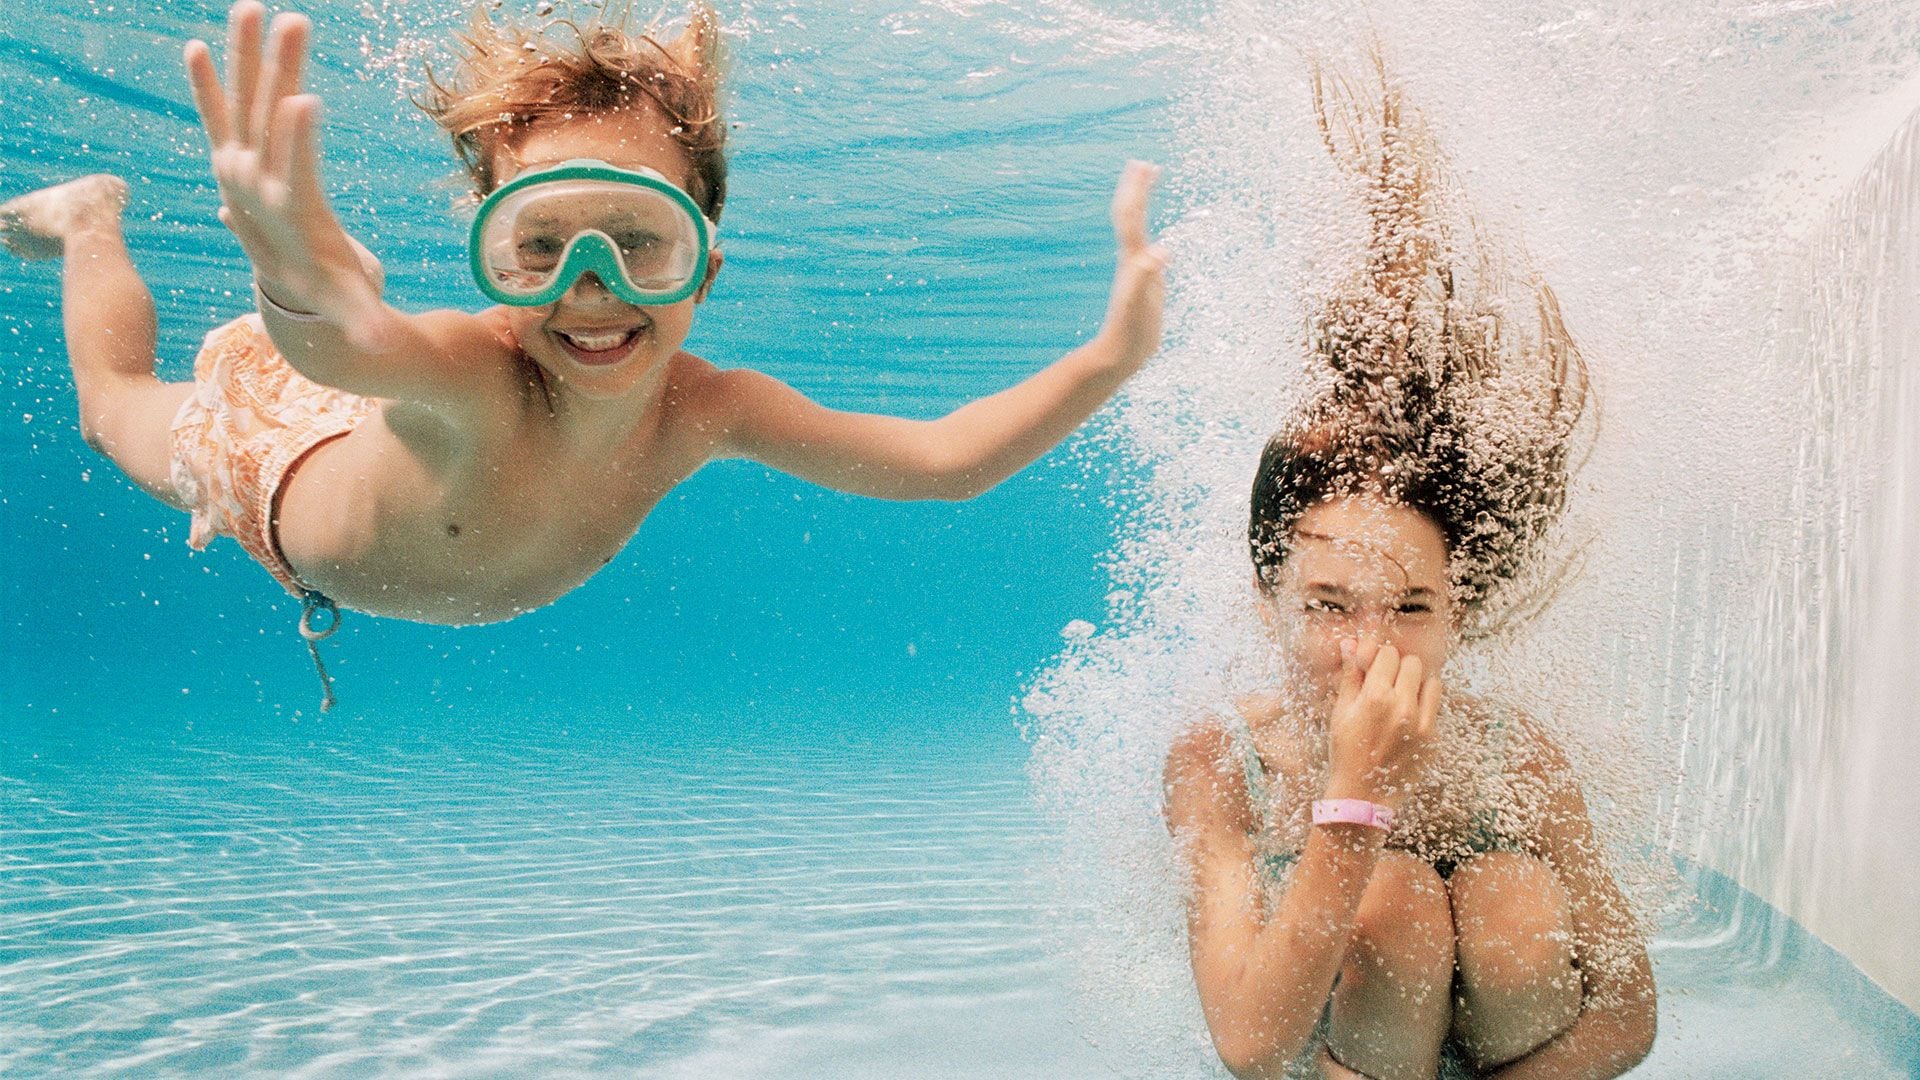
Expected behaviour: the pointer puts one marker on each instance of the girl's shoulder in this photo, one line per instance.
(1206, 779)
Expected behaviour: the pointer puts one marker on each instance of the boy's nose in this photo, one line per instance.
(588, 288)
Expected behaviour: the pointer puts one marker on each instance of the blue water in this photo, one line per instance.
(752, 801)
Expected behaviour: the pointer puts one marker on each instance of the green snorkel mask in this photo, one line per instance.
(644, 238)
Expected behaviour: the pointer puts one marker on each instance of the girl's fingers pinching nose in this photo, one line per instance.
(1363, 653)
(1430, 692)
(1382, 672)
(1406, 685)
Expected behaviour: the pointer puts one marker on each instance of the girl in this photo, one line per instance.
(1388, 881)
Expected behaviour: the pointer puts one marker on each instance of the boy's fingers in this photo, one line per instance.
(282, 138)
(208, 97)
(243, 64)
(280, 79)
(303, 144)
(1130, 205)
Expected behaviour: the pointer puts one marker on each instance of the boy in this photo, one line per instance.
(459, 468)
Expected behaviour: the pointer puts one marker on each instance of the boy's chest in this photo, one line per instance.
(534, 496)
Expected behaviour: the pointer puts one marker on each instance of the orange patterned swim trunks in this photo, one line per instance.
(251, 419)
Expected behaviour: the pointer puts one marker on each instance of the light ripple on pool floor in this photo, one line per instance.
(314, 909)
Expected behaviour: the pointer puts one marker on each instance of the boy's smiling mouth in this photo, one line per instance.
(601, 347)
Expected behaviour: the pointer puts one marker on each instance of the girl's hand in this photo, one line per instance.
(267, 162)
(1383, 717)
(1132, 326)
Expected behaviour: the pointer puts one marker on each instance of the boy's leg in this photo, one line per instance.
(125, 411)
(1391, 1007)
(1518, 987)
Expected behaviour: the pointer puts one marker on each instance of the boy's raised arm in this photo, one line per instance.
(982, 443)
(321, 303)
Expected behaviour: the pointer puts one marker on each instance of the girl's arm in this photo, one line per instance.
(1265, 976)
(265, 155)
(980, 444)
(1618, 1014)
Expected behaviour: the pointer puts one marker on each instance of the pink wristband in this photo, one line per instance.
(1352, 812)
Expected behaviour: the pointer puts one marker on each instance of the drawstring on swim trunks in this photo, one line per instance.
(313, 602)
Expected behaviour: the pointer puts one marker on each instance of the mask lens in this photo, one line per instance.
(528, 235)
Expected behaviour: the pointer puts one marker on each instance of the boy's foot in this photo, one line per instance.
(36, 225)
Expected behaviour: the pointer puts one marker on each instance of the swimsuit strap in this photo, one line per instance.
(314, 602)
(1258, 790)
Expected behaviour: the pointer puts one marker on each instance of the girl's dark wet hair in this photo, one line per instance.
(1436, 397)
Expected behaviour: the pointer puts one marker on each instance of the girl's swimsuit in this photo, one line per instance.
(1280, 831)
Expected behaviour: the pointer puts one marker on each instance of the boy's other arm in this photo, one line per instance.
(957, 456)
(449, 359)
(980, 444)
(1618, 1014)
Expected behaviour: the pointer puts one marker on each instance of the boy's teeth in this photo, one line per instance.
(600, 342)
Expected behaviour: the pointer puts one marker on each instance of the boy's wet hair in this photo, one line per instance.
(510, 79)
(1439, 396)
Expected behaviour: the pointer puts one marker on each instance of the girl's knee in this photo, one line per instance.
(1511, 920)
(1404, 922)
(1390, 1008)
(1518, 986)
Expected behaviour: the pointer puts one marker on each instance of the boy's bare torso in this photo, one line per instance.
(477, 518)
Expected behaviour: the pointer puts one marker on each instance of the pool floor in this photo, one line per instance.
(184, 898)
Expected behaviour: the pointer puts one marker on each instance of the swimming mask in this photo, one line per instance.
(644, 238)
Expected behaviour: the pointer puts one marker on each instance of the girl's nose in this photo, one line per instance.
(1372, 624)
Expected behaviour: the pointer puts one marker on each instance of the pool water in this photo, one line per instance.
(755, 800)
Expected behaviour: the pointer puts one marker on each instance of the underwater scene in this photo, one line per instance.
(1575, 346)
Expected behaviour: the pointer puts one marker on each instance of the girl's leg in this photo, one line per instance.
(1333, 1070)
(125, 411)
(1518, 987)
(1390, 1009)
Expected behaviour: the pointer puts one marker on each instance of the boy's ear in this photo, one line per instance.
(715, 258)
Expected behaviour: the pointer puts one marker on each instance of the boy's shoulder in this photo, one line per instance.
(698, 385)
(700, 388)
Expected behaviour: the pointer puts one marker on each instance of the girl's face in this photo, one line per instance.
(1361, 569)
(590, 340)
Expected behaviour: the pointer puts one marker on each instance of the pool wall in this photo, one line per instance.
(1817, 758)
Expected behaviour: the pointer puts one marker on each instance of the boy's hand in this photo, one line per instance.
(268, 166)
(1140, 285)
